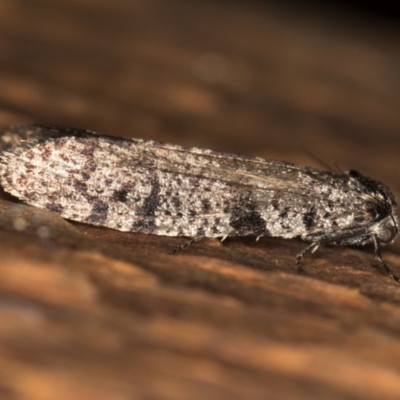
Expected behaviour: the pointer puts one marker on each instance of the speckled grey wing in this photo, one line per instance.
(272, 198)
(150, 187)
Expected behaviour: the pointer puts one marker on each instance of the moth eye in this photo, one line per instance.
(386, 235)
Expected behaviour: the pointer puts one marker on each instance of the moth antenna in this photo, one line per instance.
(338, 169)
(320, 162)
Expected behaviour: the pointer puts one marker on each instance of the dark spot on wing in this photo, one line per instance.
(80, 187)
(120, 195)
(99, 212)
(309, 218)
(55, 207)
(146, 214)
(152, 201)
(176, 202)
(85, 176)
(200, 232)
(206, 205)
(284, 213)
(275, 204)
(245, 218)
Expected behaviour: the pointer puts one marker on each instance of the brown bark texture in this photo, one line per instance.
(93, 313)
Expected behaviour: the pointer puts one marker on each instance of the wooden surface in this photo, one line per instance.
(91, 313)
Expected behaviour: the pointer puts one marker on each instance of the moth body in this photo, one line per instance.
(157, 188)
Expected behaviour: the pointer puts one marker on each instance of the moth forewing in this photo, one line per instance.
(163, 189)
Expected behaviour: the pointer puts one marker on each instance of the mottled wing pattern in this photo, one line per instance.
(150, 187)
(279, 198)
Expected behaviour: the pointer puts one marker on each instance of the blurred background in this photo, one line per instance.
(258, 77)
(113, 316)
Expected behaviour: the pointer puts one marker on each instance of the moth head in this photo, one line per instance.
(386, 230)
(382, 205)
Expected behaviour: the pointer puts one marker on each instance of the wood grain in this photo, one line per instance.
(92, 313)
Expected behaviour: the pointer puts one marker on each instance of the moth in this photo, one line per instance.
(163, 189)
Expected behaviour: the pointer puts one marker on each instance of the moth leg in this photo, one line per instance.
(187, 244)
(381, 262)
(299, 258)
